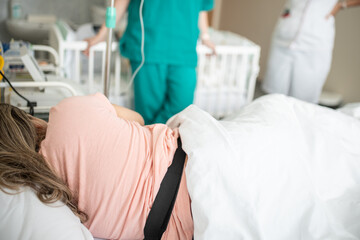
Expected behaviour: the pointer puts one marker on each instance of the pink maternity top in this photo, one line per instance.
(114, 167)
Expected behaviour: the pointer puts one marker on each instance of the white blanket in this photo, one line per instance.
(280, 169)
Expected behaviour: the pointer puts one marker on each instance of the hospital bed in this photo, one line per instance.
(278, 169)
(67, 72)
(29, 78)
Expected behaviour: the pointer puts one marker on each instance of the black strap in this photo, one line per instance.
(163, 205)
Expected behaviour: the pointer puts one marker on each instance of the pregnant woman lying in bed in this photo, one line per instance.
(113, 164)
(279, 169)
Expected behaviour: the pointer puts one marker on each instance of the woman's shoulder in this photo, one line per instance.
(84, 103)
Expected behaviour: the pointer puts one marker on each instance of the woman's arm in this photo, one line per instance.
(342, 5)
(204, 33)
(121, 7)
(128, 114)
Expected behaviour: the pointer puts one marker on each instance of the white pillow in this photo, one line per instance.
(23, 216)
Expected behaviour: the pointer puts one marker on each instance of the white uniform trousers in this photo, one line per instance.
(297, 73)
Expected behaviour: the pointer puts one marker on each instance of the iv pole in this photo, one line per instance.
(110, 24)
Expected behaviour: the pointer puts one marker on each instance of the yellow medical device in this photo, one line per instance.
(30, 104)
(1, 65)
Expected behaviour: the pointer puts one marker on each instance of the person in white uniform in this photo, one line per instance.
(301, 50)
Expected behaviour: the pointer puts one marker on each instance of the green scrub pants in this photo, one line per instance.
(162, 90)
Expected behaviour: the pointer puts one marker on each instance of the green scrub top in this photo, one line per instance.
(171, 31)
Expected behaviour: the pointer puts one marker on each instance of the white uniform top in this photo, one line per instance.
(306, 27)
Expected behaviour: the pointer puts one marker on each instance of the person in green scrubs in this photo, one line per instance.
(165, 84)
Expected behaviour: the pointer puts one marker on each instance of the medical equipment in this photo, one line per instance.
(30, 104)
(142, 48)
(1, 63)
(1, 67)
(20, 59)
(1, 58)
(110, 24)
(110, 17)
(17, 59)
(39, 91)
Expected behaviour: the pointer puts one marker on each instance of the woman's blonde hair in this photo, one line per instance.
(21, 165)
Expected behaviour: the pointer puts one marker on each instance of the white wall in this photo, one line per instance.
(255, 19)
(345, 73)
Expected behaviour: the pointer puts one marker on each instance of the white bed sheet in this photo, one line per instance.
(279, 169)
(24, 216)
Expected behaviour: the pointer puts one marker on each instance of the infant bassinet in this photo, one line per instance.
(226, 82)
